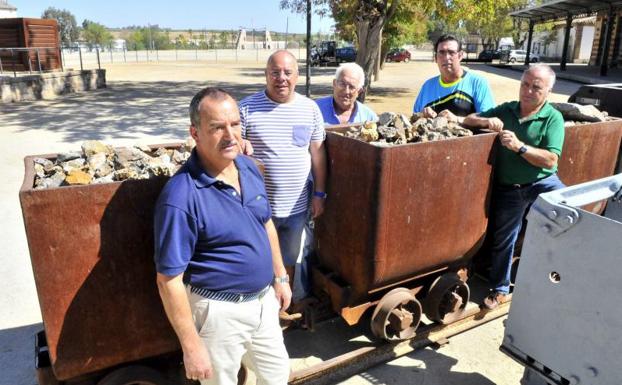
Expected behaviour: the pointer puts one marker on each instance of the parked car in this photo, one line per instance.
(398, 55)
(518, 55)
(345, 54)
(489, 55)
(314, 56)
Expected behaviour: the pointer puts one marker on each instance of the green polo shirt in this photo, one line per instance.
(543, 130)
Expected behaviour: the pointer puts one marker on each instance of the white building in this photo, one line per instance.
(579, 43)
(7, 10)
(119, 45)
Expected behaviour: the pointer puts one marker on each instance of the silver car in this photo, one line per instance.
(518, 55)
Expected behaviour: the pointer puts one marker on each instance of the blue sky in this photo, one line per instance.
(180, 14)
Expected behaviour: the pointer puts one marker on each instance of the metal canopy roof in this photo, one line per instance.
(558, 9)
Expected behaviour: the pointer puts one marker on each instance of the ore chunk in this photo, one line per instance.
(91, 147)
(77, 177)
(586, 113)
(67, 156)
(386, 118)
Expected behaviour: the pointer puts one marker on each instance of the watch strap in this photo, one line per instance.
(320, 194)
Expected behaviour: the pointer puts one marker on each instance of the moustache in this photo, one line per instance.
(228, 143)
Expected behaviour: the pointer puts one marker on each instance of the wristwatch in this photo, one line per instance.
(281, 280)
(320, 194)
(522, 150)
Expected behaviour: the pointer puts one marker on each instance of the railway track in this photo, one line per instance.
(366, 355)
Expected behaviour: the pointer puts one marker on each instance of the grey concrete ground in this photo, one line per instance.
(146, 103)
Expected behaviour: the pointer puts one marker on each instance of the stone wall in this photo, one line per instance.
(49, 85)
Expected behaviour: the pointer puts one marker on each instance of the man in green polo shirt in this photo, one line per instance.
(531, 133)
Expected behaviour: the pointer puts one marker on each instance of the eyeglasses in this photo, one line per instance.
(346, 86)
(444, 52)
(277, 74)
(535, 88)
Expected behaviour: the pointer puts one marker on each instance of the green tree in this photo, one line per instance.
(223, 39)
(67, 26)
(136, 40)
(369, 17)
(96, 34)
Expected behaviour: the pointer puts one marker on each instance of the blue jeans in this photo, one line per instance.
(291, 231)
(509, 206)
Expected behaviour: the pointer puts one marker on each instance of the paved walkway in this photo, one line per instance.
(581, 73)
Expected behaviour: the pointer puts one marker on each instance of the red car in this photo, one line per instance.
(398, 54)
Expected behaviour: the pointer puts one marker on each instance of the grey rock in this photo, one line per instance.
(67, 156)
(160, 151)
(439, 123)
(180, 157)
(124, 156)
(573, 111)
(39, 171)
(56, 179)
(96, 162)
(143, 148)
(189, 144)
(91, 147)
(73, 164)
(47, 164)
(105, 179)
(388, 133)
(386, 118)
(404, 121)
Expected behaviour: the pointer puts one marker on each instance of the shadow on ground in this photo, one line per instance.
(124, 110)
(17, 346)
(425, 366)
(127, 110)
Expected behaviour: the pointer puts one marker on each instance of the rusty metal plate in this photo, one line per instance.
(91, 249)
(590, 152)
(400, 212)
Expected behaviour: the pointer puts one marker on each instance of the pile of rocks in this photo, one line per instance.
(574, 113)
(99, 163)
(392, 129)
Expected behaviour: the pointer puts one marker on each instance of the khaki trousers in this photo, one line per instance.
(233, 330)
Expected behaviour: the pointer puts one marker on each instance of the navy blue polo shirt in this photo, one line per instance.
(204, 229)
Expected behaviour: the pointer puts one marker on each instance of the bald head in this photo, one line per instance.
(281, 76)
(281, 55)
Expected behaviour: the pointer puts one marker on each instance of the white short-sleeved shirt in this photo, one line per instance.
(281, 134)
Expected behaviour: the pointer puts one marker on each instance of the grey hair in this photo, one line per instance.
(354, 69)
(541, 67)
(208, 92)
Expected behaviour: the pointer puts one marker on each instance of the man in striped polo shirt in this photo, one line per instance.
(286, 131)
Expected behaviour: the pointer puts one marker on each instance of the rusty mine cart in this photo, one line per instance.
(399, 230)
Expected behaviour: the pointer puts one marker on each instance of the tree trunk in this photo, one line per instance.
(368, 34)
(378, 60)
(383, 54)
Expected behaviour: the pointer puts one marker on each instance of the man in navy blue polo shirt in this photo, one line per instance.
(220, 272)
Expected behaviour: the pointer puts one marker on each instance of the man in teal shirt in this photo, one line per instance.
(531, 133)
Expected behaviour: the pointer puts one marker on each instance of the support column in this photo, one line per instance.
(562, 65)
(608, 31)
(529, 39)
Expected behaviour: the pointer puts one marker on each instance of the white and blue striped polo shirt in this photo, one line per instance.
(280, 134)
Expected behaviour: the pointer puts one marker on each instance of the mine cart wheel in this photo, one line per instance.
(134, 375)
(396, 316)
(446, 299)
